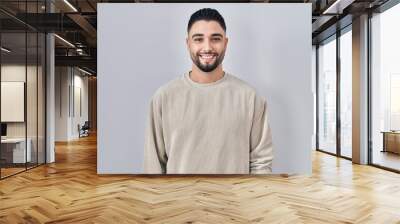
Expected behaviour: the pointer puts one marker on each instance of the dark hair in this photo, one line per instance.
(208, 15)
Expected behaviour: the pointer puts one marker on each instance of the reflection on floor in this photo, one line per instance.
(346, 152)
(386, 159)
(10, 171)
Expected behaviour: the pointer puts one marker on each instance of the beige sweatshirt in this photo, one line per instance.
(213, 128)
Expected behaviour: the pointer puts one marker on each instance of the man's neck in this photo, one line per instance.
(206, 77)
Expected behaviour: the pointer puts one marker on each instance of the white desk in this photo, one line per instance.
(19, 149)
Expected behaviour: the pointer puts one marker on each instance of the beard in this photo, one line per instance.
(206, 67)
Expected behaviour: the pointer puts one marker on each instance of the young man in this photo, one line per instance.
(207, 121)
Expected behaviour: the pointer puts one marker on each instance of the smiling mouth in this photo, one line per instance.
(208, 57)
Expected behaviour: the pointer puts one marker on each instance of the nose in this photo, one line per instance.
(207, 45)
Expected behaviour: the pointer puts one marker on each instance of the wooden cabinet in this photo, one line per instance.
(391, 142)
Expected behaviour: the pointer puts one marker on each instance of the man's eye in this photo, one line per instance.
(197, 40)
(216, 39)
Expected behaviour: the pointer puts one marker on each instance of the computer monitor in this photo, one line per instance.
(3, 129)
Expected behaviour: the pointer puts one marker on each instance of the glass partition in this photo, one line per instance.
(327, 96)
(22, 77)
(32, 95)
(13, 110)
(41, 88)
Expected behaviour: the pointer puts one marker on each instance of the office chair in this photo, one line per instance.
(84, 130)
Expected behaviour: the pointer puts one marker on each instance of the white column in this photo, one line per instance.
(360, 90)
(50, 92)
(50, 100)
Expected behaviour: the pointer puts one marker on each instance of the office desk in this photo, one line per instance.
(391, 141)
(13, 150)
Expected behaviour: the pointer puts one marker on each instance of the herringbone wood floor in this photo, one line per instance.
(70, 191)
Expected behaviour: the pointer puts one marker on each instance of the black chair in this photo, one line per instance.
(84, 130)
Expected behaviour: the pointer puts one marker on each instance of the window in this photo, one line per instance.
(327, 96)
(346, 93)
(385, 89)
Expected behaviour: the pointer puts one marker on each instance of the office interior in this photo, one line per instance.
(48, 82)
(335, 74)
(30, 57)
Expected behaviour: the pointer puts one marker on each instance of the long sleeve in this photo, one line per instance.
(155, 158)
(261, 152)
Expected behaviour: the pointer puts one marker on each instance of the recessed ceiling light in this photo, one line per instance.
(70, 5)
(5, 50)
(337, 7)
(65, 41)
(84, 71)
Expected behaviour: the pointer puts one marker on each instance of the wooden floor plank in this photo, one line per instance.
(70, 191)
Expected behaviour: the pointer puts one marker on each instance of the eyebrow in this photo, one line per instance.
(216, 35)
(201, 35)
(197, 35)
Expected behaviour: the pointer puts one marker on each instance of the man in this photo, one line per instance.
(207, 121)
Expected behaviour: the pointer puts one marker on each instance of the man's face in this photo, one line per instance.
(207, 43)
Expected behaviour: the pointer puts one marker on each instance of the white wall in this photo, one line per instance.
(142, 46)
(15, 73)
(12, 101)
(68, 82)
(61, 103)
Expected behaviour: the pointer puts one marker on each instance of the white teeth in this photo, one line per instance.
(207, 56)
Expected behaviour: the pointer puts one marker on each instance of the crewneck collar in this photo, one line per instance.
(193, 83)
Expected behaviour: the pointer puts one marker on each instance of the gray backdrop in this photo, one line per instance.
(142, 46)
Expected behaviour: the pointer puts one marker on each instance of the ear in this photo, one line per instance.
(187, 42)
(226, 41)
